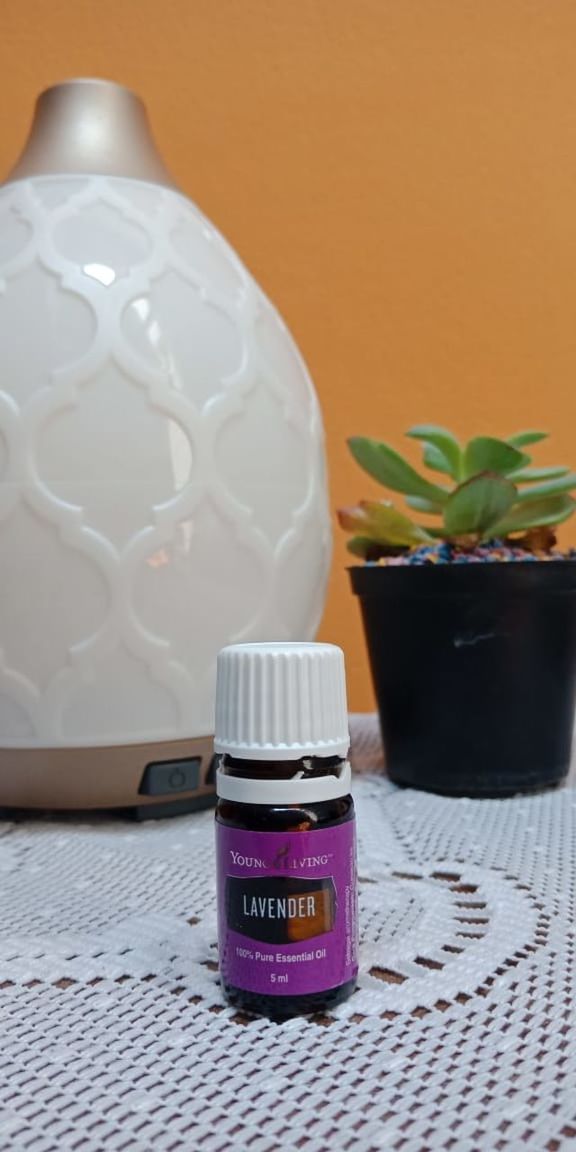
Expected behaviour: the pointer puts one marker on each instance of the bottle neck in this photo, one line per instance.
(309, 780)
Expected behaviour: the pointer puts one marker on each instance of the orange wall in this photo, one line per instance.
(400, 175)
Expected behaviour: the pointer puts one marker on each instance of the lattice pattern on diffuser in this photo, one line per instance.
(460, 1038)
(157, 425)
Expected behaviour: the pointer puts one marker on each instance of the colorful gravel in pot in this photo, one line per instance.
(492, 552)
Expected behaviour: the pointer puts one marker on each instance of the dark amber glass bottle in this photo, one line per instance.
(285, 830)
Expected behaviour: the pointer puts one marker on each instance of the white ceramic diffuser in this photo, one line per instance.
(162, 487)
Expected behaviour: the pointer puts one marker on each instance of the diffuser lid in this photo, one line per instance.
(91, 127)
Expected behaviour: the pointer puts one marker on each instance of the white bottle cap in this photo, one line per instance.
(281, 701)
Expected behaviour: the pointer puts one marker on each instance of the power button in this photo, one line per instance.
(170, 777)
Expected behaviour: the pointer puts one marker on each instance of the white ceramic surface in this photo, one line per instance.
(162, 486)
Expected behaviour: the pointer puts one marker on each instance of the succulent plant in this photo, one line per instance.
(490, 491)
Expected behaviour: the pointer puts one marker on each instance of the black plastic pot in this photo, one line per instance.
(474, 668)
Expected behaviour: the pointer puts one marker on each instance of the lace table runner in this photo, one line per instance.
(114, 1036)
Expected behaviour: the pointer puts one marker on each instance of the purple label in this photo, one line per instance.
(287, 909)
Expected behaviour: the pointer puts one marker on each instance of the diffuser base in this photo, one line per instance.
(155, 779)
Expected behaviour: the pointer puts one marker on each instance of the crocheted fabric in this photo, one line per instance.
(114, 1035)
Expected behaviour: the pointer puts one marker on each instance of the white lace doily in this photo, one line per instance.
(461, 1037)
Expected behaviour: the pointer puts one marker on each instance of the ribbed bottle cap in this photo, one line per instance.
(281, 701)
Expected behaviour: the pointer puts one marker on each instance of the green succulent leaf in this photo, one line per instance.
(420, 504)
(351, 519)
(380, 522)
(442, 451)
(477, 505)
(536, 514)
(435, 460)
(392, 526)
(486, 454)
(360, 546)
(391, 470)
(523, 439)
(533, 475)
(551, 488)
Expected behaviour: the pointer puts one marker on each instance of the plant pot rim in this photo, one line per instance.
(520, 577)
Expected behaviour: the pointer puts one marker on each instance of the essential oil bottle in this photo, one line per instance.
(285, 829)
